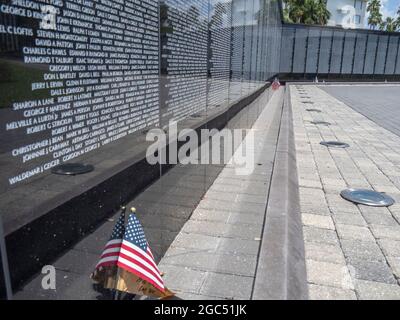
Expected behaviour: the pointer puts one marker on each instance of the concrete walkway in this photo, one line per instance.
(215, 255)
(352, 251)
(379, 103)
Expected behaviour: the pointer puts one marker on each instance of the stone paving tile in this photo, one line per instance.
(390, 247)
(227, 217)
(248, 219)
(386, 232)
(396, 214)
(367, 250)
(189, 280)
(315, 208)
(349, 219)
(318, 235)
(324, 252)
(379, 216)
(232, 185)
(226, 285)
(182, 295)
(323, 222)
(196, 241)
(348, 232)
(318, 292)
(328, 274)
(231, 206)
(310, 183)
(394, 263)
(218, 229)
(202, 260)
(365, 239)
(376, 271)
(77, 261)
(369, 290)
(216, 195)
(238, 246)
(75, 287)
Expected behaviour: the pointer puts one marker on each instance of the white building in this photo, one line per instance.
(348, 13)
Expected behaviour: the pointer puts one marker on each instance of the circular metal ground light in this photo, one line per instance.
(72, 169)
(368, 197)
(314, 110)
(335, 144)
(322, 123)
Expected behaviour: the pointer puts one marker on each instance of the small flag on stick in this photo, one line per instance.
(127, 263)
(276, 84)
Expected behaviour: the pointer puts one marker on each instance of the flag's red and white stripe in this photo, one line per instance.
(133, 259)
(110, 254)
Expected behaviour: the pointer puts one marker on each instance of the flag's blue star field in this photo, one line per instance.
(135, 233)
(119, 229)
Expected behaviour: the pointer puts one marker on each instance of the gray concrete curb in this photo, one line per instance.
(281, 272)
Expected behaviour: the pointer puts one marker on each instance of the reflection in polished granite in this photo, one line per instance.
(41, 194)
(163, 209)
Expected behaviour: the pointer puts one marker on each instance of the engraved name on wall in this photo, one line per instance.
(85, 74)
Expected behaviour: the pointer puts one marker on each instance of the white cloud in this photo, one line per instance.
(387, 11)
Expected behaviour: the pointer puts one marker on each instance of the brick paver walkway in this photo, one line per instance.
(381, 104)
(215, 255)
(352, 252)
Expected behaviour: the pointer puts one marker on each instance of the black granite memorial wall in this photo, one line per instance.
(83, 81)
(330, 52)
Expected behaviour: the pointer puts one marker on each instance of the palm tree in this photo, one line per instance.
(286, 15)
(323, 14)
(310, 12)
(390, 25)
(375, 15)
(306, 11)
(295, 9)
(398, 18)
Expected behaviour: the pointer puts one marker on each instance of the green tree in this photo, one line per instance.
(375, 15)
(295, 10)
(310, 12)
(398, 19)
(323, 14)
(390, 25)
(306, 11)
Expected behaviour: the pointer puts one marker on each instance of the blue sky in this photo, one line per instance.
(389, 7)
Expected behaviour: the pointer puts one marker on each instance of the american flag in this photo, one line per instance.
(136, 257)
(129, 250)
(110, 254)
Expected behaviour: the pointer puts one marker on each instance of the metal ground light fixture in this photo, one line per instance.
(72, 169)
(335, 144)
(367, 197)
